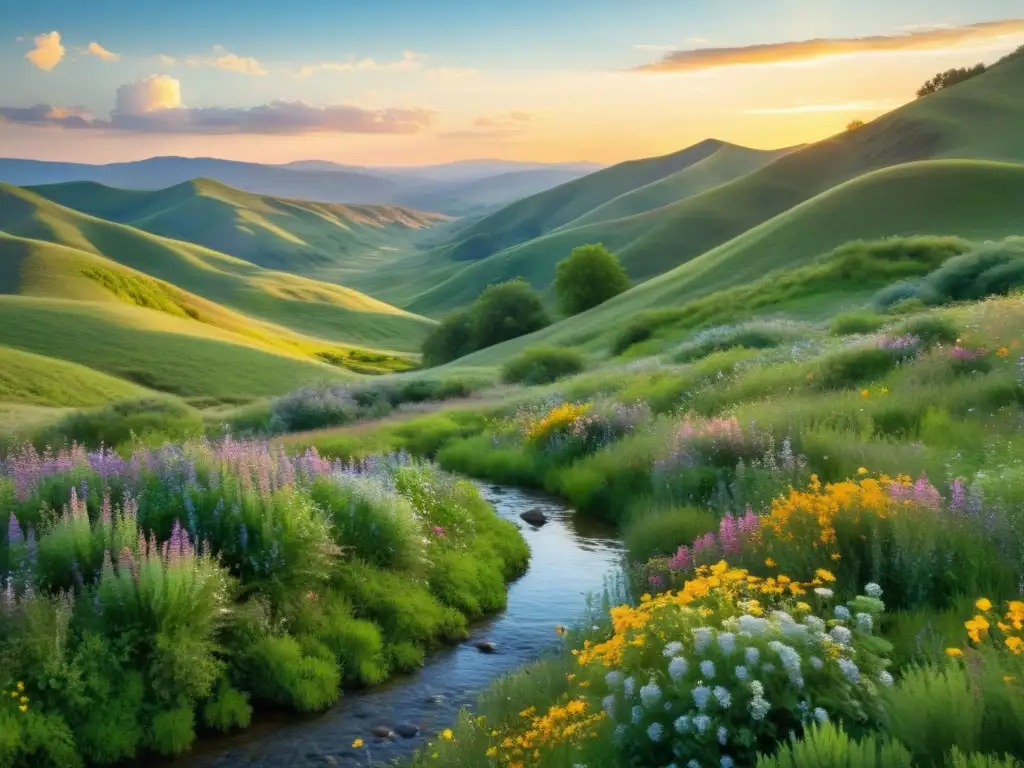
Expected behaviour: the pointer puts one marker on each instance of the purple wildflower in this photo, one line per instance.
(14, 535)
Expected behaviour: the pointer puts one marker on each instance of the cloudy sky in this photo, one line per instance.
(397, 82)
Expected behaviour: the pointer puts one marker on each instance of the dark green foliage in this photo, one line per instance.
(542, 365)
(229, 708)
(950, 78)
(452, 339)
(148, 419)
(753, 336)
(506, 311)
(280, 671)
(850, 323)
(650, 532)
(851, 367)
(828, 746)
(590, 276)
(173, 731)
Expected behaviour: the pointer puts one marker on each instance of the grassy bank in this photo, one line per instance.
(154, 598)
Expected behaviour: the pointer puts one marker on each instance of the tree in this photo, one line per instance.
(505, 311)
(853, 125)
(452, 339)
(948, 78)
(590, 276)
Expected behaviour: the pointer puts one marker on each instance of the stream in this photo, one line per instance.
(569, 558)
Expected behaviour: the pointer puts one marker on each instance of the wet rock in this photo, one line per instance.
(407, 730)
(437, 698)
(330, 760)
(497, 489)
(485, 646)
(534, 516)
(382, 732)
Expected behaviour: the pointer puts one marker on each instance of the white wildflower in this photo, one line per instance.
(613, 678)
(757, 688)
(608, 704)
(820, 715)
(850, 670)
(650, 695)
(752, 655)
(682, 724)
(759, 708)
(768, 668)
(752, 625)
(823, 592)
(707, 669)
(722, 734)
(885, 679)
(841, 635)
(701, 694)
(655, 731)
(816, 662)
(741, 672)
(726, 762)
(701, 723)
(638, 715)
(723, 696)
(677, 668)
(872, 590)
(814, 623)
(671, 649)
(865, 622)
(628, 687)
(702, 639)
(727, 643)
(842, 613)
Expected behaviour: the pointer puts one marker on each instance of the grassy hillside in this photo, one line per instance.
(973, 120)
(972, 199)
(290, 235)
(329, 312)
(46, 381)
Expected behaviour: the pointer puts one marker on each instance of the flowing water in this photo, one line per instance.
(569, 558)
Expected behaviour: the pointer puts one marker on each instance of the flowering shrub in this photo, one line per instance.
(731, 662)
(568, 431)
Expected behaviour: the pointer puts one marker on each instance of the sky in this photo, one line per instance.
(409, 82)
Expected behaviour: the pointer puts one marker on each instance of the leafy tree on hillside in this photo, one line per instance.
(948, 78)
(452, 339)
(853, 125)
(590, 276)
(505, 311)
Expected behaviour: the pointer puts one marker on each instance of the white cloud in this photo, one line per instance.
(167, 61)
(97, 50)
(410, 61)
(222, 59)
(47, 52)
(151, 94)
(154, 105)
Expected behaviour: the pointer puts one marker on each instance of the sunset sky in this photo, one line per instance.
(407, 82)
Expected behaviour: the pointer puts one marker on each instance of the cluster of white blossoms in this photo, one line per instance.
(716, 682)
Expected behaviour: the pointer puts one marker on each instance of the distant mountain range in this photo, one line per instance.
(460, 188)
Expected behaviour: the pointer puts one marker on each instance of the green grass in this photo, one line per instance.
(969, 199)
(974, 120)
(322, 310)
(38, 380)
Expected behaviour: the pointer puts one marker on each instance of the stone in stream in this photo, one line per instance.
(407, 730)
(534, 516)
(437, 698)
(382, 732)
(485, 646)
(497, 489)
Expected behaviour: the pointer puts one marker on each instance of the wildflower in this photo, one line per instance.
(723, 697)
(741, 672)
(20, 686)
(872, 590)
(682, 724)
(862, 471)
(865, 623)
(701, 695)
(954, 652)
(770, 563)
(752, 625)
(677, 668)
(824, 592)
(759, 708)
(727, 643)
(816, 662)
(701, 723)
(671, 649)
(613, 678)
(824, 575)
(655, 731)
(820, 715)
(842, 613)
(650, 695)
(752, 655)
(608, 704)
(836, 556)
(628, 686)
(357, 744)
(983, 604)
(864, 393)
(1015, 644)
(491, 752)
(707, 669)
(841, 635)
(725, 762)
(722, 734)
(447, 735)
(23, 707)
(637, 715)
(885, 679)
(849, 670)
(814, 623)
(702, 637)
(976, 626)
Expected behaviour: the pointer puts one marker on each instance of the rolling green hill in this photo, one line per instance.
(978, 119)
(329, 312)
(299, 236)
(976, 200)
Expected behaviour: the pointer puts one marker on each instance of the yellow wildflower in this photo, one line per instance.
(447, 734)
(23, 707)
(770, 563)
(864, 393)
(20, 686)
(357, 744)
(824, 575)
(491, 752)
(1015, 644)
(862, 471)
(954, 652)
(976, 626)
(983, 604)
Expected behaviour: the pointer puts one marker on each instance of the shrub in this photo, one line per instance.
(280, 671)
(506, 311)
(149, 419)
(229, 708)
(850, 367)
(850, 323)
(828, 746)
(590, 276)
(931, 329)
(542, 365)
(991, 269)
(452, 339)
(661, 531)
(752, 336)
(950, 78)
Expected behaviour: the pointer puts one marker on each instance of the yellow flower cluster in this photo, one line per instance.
(1009, 626)
(557, 418)
(18, 694)
(562, 723)
(814, 510)
(713, 587)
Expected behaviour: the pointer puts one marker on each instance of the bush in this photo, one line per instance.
(652, 532)
(452, 339)
(850, 323)
(851, 367)
(828, 746)
(148, 419)
(542, 365)
(752, 336)
(590, 276)
(506, 311)
(931, 329)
